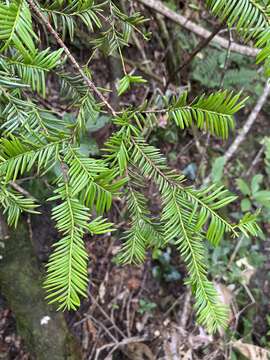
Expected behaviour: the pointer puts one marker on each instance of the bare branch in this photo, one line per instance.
(245, 129)
(198, 30)
(197, 49)
(250, 121)
(21, 190)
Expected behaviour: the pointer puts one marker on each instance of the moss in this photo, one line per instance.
(21, 284)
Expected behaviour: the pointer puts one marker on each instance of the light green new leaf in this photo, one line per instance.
(67, 276)
(217, 169)
(32, 70)
(213, 113)
(125, 83)
(245, 205)
(262, 197)
(16, 27)
(255, 183)
(243, 187)
(14, 204)
(180, 223)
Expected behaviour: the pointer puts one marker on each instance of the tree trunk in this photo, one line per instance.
(43, 330)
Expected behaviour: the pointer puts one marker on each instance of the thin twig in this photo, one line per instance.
(136, 40)
(103, 326)
(235, 251)
(198, 48)
(21, 190)
(140, 66)
(185, 312)
(172, 307)
(250, 121)
(253, 302)
(4, 231)
(226, 63)
(107, 316)
(74, 62)
(255, 161)
(118, 344)
(246, 128)
(190, 144)
(196, 29)
(130, 298)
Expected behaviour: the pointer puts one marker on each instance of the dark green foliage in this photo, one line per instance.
(37, 141)
(66, 16)
(235, 71)
(212, 113)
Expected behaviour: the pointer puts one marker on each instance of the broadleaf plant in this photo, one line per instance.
(37, 140)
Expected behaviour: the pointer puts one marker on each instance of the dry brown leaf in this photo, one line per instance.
(175, 344)
(133, 283)
(139, 351)
(102, 288)
(90, 328)
(251, 352)
(247, 275)
(248, 270)
(226, 297)
(225, 294)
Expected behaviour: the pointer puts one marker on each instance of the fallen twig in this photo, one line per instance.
(197, 49)
(198, 30)
(107, 316)
(117, 345)
(248, 124)
(185, 312)
(255, 160)
(245, 129)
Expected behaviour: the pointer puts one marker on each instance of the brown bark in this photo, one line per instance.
(159, 7)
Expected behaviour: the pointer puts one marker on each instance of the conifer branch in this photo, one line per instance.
(36, 139)
(72, 59)
(170, 179)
